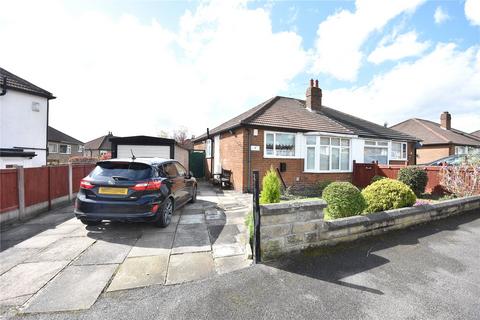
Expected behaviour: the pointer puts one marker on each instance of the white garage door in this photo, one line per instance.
(125, 151)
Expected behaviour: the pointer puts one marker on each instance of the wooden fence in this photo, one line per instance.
(364, 172)
(41, 185)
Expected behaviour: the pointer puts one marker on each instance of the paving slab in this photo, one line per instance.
(226, 250)
(192, 219)
(22, 232)
(140, 272)
(152, 244)
(75, 288)
(106, 252)
(63, 249)
(190, 266)
(191, 238)
(226, 234)
(28, 278)
(51, 218)
(60, 229)
(13, 256)
(17, 301)
(39, 241)
(229, 264)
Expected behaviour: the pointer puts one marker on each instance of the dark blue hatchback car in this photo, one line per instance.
(146, 189)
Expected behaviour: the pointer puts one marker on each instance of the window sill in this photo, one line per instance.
(329, 171)
(391, 159)
(280, 157)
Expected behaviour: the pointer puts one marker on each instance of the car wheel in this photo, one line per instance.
(194, 195)
(91, 222)
(165, 213)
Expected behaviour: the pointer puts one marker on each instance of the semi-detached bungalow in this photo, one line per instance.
(306, 141)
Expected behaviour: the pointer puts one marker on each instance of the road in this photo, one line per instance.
(427, 272)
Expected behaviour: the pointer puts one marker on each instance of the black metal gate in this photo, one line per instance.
(196, 162)
(256, 218)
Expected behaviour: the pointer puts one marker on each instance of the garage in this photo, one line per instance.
(148, 147)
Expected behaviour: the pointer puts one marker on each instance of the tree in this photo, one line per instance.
(180, 135)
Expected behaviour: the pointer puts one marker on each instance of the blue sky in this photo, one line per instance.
(152, 66)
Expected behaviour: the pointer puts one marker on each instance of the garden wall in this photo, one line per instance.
(294, 226)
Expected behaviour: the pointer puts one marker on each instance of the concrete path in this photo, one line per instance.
(426, 272)
(55, 263)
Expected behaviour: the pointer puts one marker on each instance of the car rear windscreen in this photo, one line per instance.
(130, 171)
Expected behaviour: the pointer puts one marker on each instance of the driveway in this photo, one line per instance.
(427, 272)
(55, 263)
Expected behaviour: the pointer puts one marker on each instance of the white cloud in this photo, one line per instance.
(341, 36)
(440, 16)
(401, 46)
(444, 79)
(472, 11)
(132, 77)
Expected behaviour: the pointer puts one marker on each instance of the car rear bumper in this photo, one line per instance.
(114, 210)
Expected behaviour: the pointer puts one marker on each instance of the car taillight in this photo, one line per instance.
(150, 185)
(85, 184)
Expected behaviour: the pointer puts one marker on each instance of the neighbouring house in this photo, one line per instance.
(439, 140)
(62, 147)
(23, 122)
(149, 147)
(306, 141)
(476, 133)
(99, 146)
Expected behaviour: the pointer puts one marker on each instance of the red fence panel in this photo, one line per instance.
(36, 185)
(58, 181)
(364, 172)
(8, 190)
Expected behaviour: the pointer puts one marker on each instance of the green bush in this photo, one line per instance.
(387, 194)
(343, 200)
(270, 188)
(249, 224)
(321, 185)
(415, 178)
(376, 178)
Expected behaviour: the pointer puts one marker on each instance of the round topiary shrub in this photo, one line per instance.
(376, 178)
(415, 178)
(270, 188)
(343, 200)
(387, 194)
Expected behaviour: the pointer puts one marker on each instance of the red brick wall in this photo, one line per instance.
(233, 155)
(295, 167)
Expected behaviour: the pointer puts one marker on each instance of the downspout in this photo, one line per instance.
(249, 173)
(4, 87)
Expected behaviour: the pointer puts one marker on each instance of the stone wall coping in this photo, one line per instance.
(281, 207)
(388, 215)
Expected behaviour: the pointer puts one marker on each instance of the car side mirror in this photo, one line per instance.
(188, 175)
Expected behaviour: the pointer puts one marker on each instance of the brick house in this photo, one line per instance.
(439, 140)
(99, 146)
(62, 147)
(306, 141)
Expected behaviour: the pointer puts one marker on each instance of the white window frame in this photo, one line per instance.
(69, 148)
(56, 147)
(273, 156)
(80, 148)
(402, 143)
(208, 148)
(330, 147)
(388, 147)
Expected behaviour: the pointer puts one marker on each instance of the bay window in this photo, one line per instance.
(280, 145)
(376, 151)
(399, 151)
(327, 154)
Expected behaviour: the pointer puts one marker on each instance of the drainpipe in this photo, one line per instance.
(249, 173)
(4, 86)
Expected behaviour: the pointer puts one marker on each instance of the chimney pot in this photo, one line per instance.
(313, 99)
(446, 120)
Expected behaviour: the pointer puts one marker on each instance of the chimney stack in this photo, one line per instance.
(314, 96)
(446, 120)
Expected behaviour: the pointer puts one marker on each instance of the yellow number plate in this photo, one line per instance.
(106, 190)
